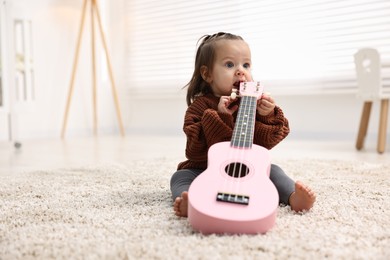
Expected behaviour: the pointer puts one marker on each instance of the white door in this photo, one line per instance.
(17, 92)
(4, 87)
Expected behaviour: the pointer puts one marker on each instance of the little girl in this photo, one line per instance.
(223, 60)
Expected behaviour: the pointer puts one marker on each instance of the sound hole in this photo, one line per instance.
(237, 170)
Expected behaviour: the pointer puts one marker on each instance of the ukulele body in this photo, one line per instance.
(240, 201)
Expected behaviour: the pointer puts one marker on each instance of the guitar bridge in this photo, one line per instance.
(233, 198)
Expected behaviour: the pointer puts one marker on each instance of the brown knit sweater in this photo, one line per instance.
(205, 126)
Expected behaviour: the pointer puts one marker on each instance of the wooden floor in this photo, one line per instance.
(55, 153)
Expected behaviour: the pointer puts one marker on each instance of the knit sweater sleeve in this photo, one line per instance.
(271, 129)
(205, 126)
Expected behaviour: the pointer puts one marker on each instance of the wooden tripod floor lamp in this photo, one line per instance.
(94, 12)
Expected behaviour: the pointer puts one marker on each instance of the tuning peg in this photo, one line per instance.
(233, 95)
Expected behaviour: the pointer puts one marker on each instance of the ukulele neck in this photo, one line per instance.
(244, 127)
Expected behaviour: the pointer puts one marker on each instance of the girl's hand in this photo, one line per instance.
(265, 105)
(223, 105)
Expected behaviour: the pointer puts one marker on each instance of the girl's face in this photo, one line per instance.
(232, 65)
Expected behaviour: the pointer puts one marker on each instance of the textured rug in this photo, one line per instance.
(125, 212)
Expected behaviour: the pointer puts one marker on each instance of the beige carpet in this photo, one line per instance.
(124, 212)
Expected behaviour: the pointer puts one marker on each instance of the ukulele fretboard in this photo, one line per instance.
(244, 126)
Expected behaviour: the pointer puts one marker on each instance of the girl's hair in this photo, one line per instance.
(205, 56)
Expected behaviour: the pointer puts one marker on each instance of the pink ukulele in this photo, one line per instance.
(234, 195)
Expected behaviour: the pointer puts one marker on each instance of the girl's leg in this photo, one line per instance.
(284, 184)
(181, 181)
(299, 196)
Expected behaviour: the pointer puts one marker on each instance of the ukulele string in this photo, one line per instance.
(247, 128)
(239, 153)
(230, 170)
(232, 165)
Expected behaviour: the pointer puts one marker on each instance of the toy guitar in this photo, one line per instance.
(234, 195)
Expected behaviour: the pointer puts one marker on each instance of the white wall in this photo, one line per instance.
(330, 116)
(55, 30)
(56, 24)
(327, 117)
(56, 42)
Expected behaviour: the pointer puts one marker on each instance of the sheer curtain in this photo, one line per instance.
(297, 46)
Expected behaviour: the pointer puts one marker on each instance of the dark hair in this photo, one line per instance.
(205, 56)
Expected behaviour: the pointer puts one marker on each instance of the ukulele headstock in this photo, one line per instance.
(253, 89)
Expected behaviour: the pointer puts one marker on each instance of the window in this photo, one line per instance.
(24, 73)
(296, 45)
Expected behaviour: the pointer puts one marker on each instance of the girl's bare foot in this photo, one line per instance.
(180, 206)
(302, 198)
